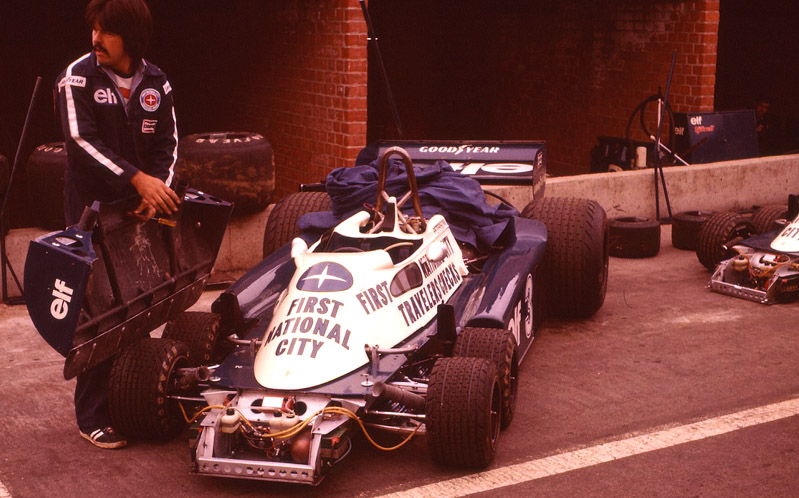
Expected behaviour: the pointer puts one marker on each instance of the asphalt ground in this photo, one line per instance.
(669, 390)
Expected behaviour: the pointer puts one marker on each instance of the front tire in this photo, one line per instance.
(717, 234)
(499, 347)
(141, 379)
(199, 331)
(463, 412)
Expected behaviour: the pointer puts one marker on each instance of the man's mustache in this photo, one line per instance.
(99, 48)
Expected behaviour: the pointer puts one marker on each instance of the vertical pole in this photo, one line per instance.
(372, 38)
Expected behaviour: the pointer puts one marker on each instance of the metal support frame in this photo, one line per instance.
(4, 262)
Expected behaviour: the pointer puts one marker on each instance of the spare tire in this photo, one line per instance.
(281, 227)
(575, 266)
(763, 219)
(45, 185)
(719, 232)
(685, 228)
(235, 166)
(634, 237)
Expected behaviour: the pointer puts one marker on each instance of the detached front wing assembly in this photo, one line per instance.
(98, 286)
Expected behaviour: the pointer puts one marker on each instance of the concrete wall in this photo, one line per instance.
(730, 185)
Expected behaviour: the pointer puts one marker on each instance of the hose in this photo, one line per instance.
(293, 431)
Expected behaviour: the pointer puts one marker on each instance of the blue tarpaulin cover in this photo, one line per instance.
(442, 190)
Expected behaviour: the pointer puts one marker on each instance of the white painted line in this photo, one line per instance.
(607, 452)
(3, 491)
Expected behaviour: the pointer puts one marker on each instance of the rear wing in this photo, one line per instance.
(498, 162)
(102, 284)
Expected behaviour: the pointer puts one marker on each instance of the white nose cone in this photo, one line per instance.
(788, 239)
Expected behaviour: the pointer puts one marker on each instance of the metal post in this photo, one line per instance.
(372, 38)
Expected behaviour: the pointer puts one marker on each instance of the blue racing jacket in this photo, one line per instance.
(107, 142)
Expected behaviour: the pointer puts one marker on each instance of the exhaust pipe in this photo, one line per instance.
(190, 377)
(392, 393)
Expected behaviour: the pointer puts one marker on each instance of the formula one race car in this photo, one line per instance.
(760, 267)
(386, 322)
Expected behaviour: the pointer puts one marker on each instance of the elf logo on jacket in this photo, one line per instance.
(325, 277)
(105, 96)
(150, 99)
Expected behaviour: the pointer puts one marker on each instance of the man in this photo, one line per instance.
(119, 127)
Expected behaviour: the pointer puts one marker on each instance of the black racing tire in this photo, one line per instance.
(498, 346)
(634, 237)
(575, 266)
(462, 412)
(281, 227)
(44, 176)
(235, 166)
(141, 378)
(685, 228)
(764, 218)
(717, 234)
(199, 331)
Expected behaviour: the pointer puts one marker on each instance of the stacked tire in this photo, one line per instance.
(634, 237)
(45, 171)
(685, 228)
(235, 166)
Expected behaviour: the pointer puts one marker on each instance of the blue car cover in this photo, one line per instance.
(442, 190)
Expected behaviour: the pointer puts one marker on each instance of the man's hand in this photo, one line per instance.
(155, 196)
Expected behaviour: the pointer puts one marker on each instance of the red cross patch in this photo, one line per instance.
(150, 99)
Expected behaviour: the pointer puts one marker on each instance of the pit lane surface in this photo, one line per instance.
(628, 403)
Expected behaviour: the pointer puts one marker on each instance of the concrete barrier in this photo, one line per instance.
(731, 185)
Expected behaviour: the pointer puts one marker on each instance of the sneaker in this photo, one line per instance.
(106, 438)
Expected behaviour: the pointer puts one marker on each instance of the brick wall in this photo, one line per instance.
(565, 72)
(294, 71)
(316, 107)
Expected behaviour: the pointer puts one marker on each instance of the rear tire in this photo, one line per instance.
(575, 265)
(281, 227)
(463, 412)
(498, 346)
(717, 232)
(141, 378)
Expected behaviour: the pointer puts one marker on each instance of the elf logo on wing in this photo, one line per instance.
(62, 293)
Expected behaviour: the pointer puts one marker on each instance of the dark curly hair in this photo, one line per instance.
(130, 19)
